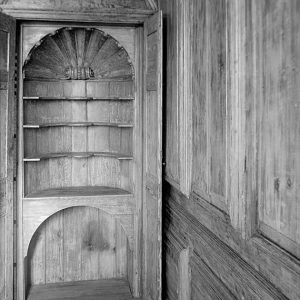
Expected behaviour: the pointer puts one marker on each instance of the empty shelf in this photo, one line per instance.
(79, 98)
(39, 157)
(111, 289)
(77, 124)
(114, 79)
(78, 191)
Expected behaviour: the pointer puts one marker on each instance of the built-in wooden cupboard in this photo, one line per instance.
(88, 180)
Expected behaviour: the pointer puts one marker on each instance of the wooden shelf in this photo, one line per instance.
(117, 79)
(77, 124)
(78, 192)
(110, 289)
(79, 98)
(39, 206)
(39, 157)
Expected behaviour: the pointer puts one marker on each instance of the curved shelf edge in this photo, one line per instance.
(39, 206)
(77, 191)
(114, 79)
(78, 124)
(40, 157)
(79, 98)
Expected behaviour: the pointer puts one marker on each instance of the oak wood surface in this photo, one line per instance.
(78, 142)
(278, 124)
(243, 68)
(38, 157)
(79, 98)
(77, 124)
(7, 153)
(78, 53)
(223, 252)
(130, 11)
(79, 198)
(78, 191)
(99, 251)
(88, 290)
(152, 198)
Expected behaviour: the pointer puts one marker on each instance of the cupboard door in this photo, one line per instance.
(153, 157)
(7, 109)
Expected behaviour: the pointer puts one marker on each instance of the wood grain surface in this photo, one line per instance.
(79, 192)
(244, 73)
(89, 290)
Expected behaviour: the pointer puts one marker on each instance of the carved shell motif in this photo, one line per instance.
(78, 54)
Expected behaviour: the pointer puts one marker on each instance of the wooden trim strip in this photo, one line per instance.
(79, 98)
(123, 16)
(77, 124)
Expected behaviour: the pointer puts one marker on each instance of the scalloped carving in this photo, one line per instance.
(78, 54)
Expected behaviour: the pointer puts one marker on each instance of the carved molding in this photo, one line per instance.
(78, 54)
(74, 5)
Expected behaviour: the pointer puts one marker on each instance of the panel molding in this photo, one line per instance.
(259, 260)
(127, 16)
(241, 48)
(185, 96)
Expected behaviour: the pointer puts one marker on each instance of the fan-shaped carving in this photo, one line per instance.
(78, 53)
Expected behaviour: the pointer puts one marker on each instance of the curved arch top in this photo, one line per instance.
(37, 212)
(78, 54)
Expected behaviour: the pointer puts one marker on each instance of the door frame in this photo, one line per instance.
(7, 159)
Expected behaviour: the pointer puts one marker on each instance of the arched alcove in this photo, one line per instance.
(78, 116)
(77, 243)
(38, 212)
(78, 112)
(78, 53)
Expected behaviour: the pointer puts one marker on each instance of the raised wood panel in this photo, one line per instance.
(77, 244)
(152, 199)
(269, 261)
(244, 73)
(216, 244)
(278, 124)
(209, 113)
(171, 98)
(200, 109)
(216, 94)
